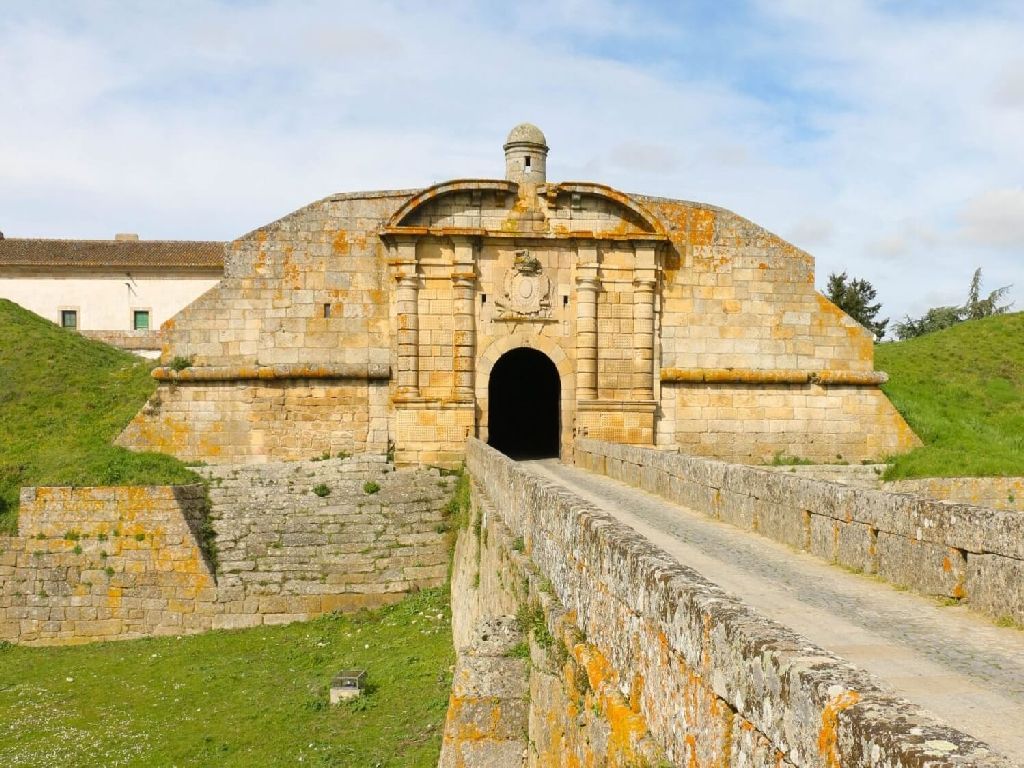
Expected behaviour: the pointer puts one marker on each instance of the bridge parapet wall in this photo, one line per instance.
(702, 675)
(946, 549)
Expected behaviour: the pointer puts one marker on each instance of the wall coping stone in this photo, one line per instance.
(813, 706)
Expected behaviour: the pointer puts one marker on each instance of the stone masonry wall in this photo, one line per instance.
(939, 548)
(753, 423)
(233, 421)
(287, 554)
(104, 563)
(679, 672)
(115, 563)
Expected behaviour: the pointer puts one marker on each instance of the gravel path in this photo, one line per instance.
(952, 662)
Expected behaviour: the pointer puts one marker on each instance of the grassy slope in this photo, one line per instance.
(962, 391)
(63, 399)
(255, 697)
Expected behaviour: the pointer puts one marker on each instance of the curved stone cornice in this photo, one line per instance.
(444, 188)
(609, 193)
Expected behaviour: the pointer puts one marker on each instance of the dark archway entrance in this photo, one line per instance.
(524, 395)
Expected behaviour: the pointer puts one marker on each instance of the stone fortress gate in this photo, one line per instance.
(523, 312)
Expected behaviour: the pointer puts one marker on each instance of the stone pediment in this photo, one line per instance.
(496, 208)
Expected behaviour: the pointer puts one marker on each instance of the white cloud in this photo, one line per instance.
(995, 218)
(895, 148)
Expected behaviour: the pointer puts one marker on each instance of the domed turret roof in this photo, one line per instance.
(526, 133)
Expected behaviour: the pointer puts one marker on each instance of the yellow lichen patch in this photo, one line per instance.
(339, 244)
(828, 736)
(702, 227)
(291, 272)
(636, 692)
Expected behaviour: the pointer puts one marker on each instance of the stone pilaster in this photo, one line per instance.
(463, 320)
(407, 312)
(587, 286)
(644, 285)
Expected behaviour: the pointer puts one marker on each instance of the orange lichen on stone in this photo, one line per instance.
(828, 736)
(339, 244)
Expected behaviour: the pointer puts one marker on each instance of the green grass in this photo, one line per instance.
(255, 697)
(63, 399)
(962, 391)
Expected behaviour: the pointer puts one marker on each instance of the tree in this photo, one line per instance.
(938, 318)
(977, 307)
(935, 319)
(854, 297)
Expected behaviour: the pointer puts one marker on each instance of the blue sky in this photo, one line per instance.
(886, 138)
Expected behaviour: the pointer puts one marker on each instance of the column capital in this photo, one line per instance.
(463, 279)
(645, 284)
(588, 283)
(408, 280)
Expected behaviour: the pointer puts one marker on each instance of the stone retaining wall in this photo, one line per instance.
(939, 548)
(286, 553)
(671, 658)
(115, 563)
(104, 563)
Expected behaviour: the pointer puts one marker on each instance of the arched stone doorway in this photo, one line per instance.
(524, 405)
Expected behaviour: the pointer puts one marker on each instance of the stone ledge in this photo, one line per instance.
(754, 376)
(369, 371)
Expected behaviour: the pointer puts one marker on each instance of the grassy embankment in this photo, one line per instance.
(63, 399)
(247, 698)
(962, 391)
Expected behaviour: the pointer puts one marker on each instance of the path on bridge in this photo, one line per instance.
(959, 666)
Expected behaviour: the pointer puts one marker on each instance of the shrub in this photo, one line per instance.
(370, 487)
(321, 490)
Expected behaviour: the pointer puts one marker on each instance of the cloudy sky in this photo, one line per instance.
(886, 138)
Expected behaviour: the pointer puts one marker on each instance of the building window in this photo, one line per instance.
(69, 318)
(327, 310)
(140, 319)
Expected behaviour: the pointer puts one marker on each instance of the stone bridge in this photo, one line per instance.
(645, 608)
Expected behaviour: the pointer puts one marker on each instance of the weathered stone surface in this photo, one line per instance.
(992, 492)
(925, 544)
(368, 318)
(85, 560)
(106, 563)
(486, 723)
(697, 673)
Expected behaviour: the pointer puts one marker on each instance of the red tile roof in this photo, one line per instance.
(119, 254)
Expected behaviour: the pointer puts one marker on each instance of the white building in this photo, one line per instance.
(119, 291)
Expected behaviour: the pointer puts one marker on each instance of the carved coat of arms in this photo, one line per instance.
(527, 289)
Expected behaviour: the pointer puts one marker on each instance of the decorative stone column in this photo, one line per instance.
(463, 320)
(644, 285)
(587, 286)
(407, 311)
